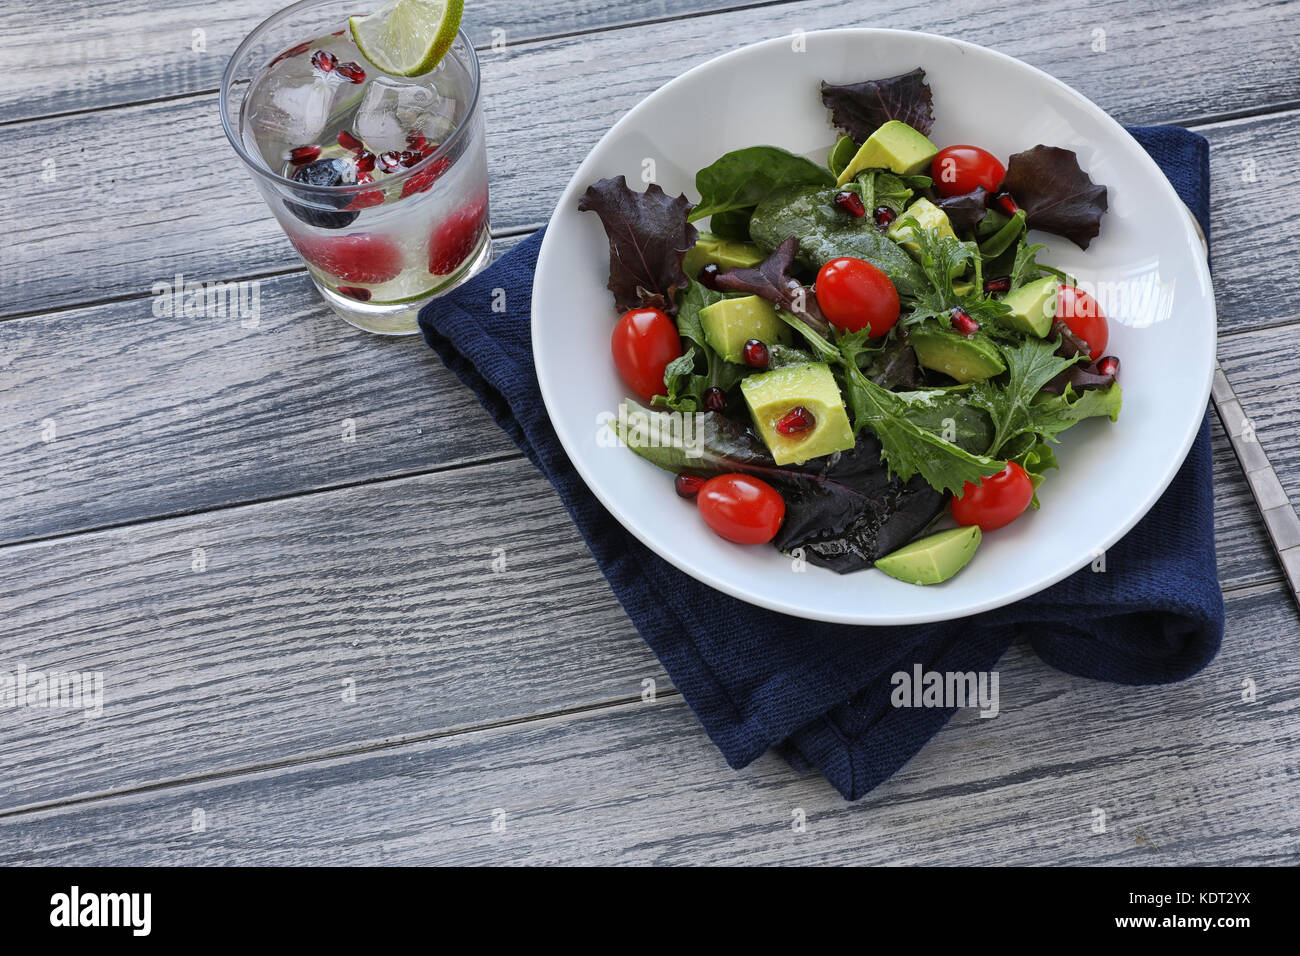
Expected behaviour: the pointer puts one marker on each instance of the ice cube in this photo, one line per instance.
(391, 110)
(291, 110)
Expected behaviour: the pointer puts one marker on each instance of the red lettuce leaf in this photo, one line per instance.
(771, 279)
(1056, 195)
(851, 511)
(965, 211)
(861, 108)
(1083, 375)
(648, 237)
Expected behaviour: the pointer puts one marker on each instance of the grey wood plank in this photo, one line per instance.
(136, 51)
(152, 416)
(1186, 773)
(390, 583)
(100, 230)
(185, 399)
(450, 600)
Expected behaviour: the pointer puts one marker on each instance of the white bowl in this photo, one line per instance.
(768, 93)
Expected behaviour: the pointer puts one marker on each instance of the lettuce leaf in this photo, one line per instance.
(859, 109)
(739, 179)
(1056, 195)
(771, 279)
(841, 154)
(824, 232)
(648, 237)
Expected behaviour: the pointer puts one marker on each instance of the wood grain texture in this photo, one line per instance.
(390, 584)
(475, 688)
(182, 47)
(450, 600)
(91, 232)
(1188, 773)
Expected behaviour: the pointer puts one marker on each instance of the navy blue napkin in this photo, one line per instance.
(820, 693)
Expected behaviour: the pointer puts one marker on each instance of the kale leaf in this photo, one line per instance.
(738, 180)
(1053, 414)
(1056, 195)
(648, 237)
(859, 109)
(1031, 364)
(940, 258)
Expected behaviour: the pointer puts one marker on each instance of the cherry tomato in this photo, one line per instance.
(1082, 314)
(957, 170)
(741, 508)
(644, 342)
(854, 294)
(996, 501)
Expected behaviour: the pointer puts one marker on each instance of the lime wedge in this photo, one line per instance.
(408, 37)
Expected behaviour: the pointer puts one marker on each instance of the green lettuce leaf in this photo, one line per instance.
(825, 232)
(742, 177)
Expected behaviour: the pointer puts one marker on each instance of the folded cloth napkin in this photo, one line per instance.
(820, 693)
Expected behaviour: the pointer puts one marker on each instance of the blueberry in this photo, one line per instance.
(325, 172)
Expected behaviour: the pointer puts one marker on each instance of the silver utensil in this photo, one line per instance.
(1279, 517)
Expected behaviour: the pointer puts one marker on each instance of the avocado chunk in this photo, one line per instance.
(933, 559)
(896, 147)
(928, 216)
(724, 253)
(967, 358)
(1033, 306)
(771, 396)
(729, 324)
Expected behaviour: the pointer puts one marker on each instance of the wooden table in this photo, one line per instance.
(340, 618)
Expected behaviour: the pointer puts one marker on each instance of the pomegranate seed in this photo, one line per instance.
(962, 322)
(1108, 365)
(350, 142)
(885, 215)
(1001, 284)
(851, 203)
(352, 72)
(324, 60)
(714, 399)
(365, 162)
(1006, 203)
(408, 158)
(355, 292)
(756, 354)
(301, 155)
(390, 161)
(709, 276)
(416, 140)
(797, 420)
(688, 486)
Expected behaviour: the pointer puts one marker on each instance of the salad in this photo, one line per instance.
(874, 364)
